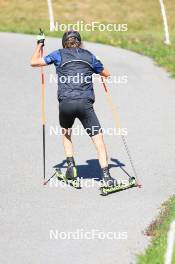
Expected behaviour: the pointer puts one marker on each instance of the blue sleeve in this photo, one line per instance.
(97, 65)
(53, 57)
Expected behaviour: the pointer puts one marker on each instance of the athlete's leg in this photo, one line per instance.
(103, 160)
(92, 126)
(67, 142)
(67, 117)
(71, 172)
(91, 123)
(101, 149)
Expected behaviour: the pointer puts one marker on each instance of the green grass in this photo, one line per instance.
(155, 253)
(145, 34)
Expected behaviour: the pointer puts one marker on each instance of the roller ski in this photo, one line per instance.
(110, 185)
(70, 177)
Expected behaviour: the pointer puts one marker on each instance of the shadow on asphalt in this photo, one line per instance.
(91, 170)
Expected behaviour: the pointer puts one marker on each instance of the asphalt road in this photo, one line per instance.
(29, 210)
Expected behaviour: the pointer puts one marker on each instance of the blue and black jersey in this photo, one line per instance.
(74, 67)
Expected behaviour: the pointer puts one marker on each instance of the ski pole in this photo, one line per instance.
(43, 118)
(118, 125)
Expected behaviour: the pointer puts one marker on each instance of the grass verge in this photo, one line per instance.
(158, 229)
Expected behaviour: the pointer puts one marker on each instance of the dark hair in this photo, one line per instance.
(72, 43)
(71, 39)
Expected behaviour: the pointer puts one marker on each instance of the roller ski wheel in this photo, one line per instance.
(132, 182)
(105, 190)
(72, 181)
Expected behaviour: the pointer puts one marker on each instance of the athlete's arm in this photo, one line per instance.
(36, 60)
(99, 68)
(105, 73)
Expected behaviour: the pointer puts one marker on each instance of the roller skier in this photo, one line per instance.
(76, 100)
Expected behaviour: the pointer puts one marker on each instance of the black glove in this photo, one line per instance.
(41, 38)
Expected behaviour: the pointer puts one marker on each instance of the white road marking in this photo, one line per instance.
(165, 22)
(51, 16)
(170, 244)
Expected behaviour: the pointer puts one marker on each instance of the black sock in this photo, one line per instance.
(70, 161)
(105, 169)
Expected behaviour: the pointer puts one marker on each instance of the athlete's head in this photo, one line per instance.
(71, 39)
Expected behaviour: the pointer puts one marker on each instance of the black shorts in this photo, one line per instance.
(69, 109)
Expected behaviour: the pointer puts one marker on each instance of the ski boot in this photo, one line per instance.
(70, 177)
(108, 181)
(109, 184)
(71, 172)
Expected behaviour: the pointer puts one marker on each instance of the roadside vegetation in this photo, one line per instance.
(158, 229)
